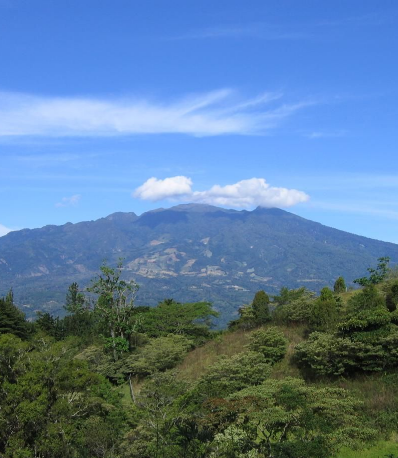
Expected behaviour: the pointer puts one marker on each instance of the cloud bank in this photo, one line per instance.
(243, 194)
(214, 113)
(69, 201)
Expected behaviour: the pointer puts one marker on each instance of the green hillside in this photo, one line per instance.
(297, 375)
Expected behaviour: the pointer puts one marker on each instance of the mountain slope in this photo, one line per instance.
(188, 252)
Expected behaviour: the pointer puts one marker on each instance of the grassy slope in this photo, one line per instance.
(382, 449)
(371, 389)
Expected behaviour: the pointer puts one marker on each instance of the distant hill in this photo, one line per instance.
(188, 252)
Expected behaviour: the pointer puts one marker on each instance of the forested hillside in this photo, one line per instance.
(296, 375)
(190, 252)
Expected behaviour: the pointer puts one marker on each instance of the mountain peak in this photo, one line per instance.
(198, 208)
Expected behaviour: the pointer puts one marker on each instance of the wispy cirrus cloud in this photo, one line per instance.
(243, 194)
(286, 31)
(259, 30)
(374, 209)
(214, 113)
(325, 134)
(69, 201)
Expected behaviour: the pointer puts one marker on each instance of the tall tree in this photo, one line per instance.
(115, 305)
(12, 320)
(260, 306)
(339, 285)
(75, 299)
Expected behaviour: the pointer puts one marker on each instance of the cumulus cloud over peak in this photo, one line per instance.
(213, 113)
(154, 189)
(243, 194)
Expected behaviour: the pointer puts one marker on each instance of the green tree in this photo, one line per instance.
(260, 306)
(339, 286)
(157, 355)
(80, 321)
(376, 275)
(192, 320)
(229, 375)
(324, 312)
(115, 305)
(295, 306)
(50, 325)
(392, 297)
(287, 418)
(75, 299)
(328, 354)
(46, 398)
(246, 319)
(270, 342)
(162, 403)
(12, 320)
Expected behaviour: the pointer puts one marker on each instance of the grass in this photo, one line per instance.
(294, 335)
(197, 362)
(382, 449)
(124, 390)
(378, 391)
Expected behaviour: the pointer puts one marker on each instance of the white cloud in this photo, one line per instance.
(214, 113)
(154, 189)
(243, 194)
(69, 201)
(4, 230)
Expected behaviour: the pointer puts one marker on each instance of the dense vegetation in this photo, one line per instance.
(296, 375)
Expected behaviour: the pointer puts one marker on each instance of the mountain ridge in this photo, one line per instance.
(190, 252)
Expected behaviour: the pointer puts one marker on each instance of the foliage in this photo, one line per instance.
(368, 298)
(326, 354)
(255, 314)
(392, 297)
(260, 307)
(158, 355)
(324, 312)
(270, 342)
(115, 304)
(231, 374)
(293, 306)
(60, 393)
(246, 319)
(48, 400)
(75, 299)
(192, 320)
(163, 411)
(376, 275)
(12, 320)
(286, 418)
(339, 286)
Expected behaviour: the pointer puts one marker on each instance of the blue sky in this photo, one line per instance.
(120, 105)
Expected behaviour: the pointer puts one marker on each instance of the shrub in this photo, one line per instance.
(270, 342)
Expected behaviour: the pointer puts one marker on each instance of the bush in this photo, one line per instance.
(232, 374)
(293, 306)
(158, 355)
(270, 342)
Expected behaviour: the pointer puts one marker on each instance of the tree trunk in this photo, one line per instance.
(131, 389)
(114, 344)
